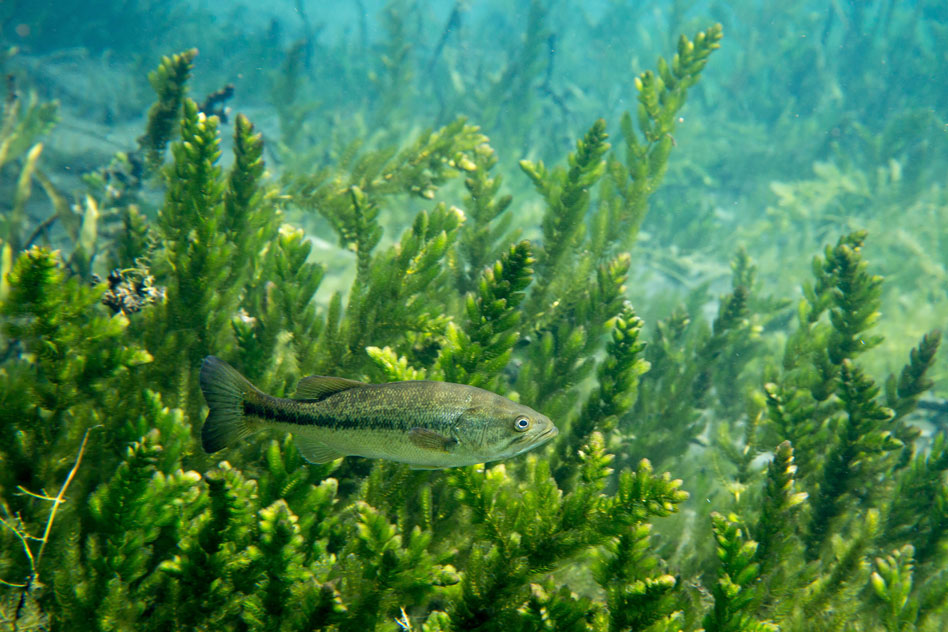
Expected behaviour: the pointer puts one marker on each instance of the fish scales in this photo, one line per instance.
(401, 405)
(426, 424)
(373, 420)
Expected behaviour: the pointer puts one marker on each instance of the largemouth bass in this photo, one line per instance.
(429, 425)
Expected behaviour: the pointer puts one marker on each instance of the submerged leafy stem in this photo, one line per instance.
(817, 502)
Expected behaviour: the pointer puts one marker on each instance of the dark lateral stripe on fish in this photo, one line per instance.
(290, 413)
(278, 414)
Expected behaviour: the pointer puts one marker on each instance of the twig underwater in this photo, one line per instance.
(33, 579)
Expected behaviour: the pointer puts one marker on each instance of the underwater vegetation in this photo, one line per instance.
(739, 463)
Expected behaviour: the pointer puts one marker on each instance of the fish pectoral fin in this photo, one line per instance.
(431, 439)
(316, 451)
(321, 386)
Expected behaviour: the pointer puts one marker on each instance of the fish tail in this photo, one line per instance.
(225, 391)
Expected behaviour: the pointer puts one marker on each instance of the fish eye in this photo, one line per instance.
(521, 423)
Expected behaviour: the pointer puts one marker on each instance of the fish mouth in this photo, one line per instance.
(548, 434)
(527, 442)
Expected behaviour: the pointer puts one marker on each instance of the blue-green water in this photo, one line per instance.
(708, 239)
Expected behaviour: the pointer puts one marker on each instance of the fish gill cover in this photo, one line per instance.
(504, 198)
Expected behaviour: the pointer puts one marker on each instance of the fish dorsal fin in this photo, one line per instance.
(321, 386)
(316, 451)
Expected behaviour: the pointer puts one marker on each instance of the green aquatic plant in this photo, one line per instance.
(536, 529)
(812, 502)
(487, 222)
(477, 352)
(169, 81)
(387, 298)
(696, 365)
(567, 194)
(580, 277)
(618, 376)
(132, 565)
(738, 583)
(205, 221)
(273, 342)
(75, 350)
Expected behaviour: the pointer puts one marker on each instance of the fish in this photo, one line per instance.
(426, 424)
